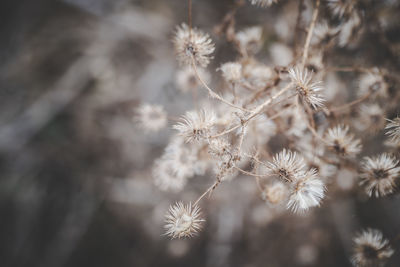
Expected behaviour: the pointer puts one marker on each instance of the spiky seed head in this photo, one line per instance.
(183, 220)
(192, 44)
(371, 249)
(379, 174)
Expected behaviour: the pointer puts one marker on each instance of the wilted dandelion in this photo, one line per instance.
(183, 220)
(192, 45)
(379, 174)
(342, 142)
(371, 249)
(307, 90)
(307, 192)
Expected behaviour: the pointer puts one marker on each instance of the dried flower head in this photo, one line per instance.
(342, 142)
(263, 3)
(151, 117)
(183, 220)
(340, 8)
(379, 174)
(231, 71)
(166, 177)
(308, 191)
(371, 118)
(307, 90)
(249, 40)
(196, 125)
(192, 45)
(323, 33)
(288, 165)
(275, 193)
(371, 249)
(373, 83)
(393, 128)
(186, 79)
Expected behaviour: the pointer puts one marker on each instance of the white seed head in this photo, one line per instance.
(342, 142)
(166, 177)
(192, 45)
(393, 130)
(287, 165)
(231, 71)
(250, 40)
(373, 83)
(275, 193)
(151, 117)
(379, 174)
(182, 220)
(306, 89)
(371, 249)
(196, 125)
(307, 192)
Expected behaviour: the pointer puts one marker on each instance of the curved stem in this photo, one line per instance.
(352, 103)
(211, 92)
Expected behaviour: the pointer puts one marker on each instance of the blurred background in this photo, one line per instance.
(75, 171)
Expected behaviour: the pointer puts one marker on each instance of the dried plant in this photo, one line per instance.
(258, 101)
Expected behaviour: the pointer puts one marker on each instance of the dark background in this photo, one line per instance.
(75, 172)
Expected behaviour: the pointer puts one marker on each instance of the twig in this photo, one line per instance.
(309, 34)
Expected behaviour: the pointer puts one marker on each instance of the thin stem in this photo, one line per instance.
(352, 103)
(347, 69)
(226, 132)
(309, 34)
(249, 173)
(260, 108)
(190, 18)
(209, 190)
(211, 92)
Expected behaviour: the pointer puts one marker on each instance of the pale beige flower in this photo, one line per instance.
(183, 220)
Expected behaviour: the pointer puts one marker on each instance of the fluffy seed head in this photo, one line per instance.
(378, 174)
(307, 192)
(151, 117)
(342, 142)
(373, 83)
(393, 128)
(192, 45)
(371, 249)
(231, 71)
(307, 90)
(195, 125)
(249, 40)
(182, 220)
(275, 193)
(166, 177)
(287, 165)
